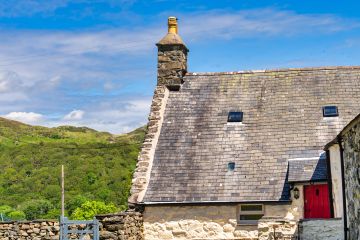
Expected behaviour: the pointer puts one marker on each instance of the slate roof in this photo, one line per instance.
(282, 120)
(306, 170)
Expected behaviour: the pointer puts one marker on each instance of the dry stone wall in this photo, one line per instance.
(351, 145)
(35, 230)
(121, 226)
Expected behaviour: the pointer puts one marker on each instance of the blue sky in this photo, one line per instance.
(93, 63)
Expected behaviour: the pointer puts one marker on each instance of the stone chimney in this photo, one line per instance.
(172, 57)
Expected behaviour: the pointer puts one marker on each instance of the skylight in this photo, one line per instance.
(235, 117)
(330, 111)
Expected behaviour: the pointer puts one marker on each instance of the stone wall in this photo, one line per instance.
(34, 230)
(172, 64)
(320, 229)
(194, 222)
(120, 226)
(208, 222)
(270, 228)
(351, 145)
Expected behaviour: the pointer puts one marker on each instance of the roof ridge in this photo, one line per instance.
(272, 70)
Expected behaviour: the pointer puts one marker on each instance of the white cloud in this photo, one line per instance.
(117, 116)
(26, 117)
(74, 115)
(266, 21)
(9, 82)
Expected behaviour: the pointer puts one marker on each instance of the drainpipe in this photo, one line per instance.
(339, 140)
(330, 183)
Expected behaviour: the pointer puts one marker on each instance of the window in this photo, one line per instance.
(235, 117)
(330, 111)
(250, 213)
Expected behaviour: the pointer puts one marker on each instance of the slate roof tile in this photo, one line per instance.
(305, 170)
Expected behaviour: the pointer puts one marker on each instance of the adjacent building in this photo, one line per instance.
(344, 156)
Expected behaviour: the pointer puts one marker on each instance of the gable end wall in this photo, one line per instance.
(351, 145)
(141, 175)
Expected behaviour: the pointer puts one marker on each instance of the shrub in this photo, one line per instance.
(17, 215)
(5, 209)
(90, 209)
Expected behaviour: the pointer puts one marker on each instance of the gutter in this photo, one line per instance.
(328, 166)
(309, 181)
(339, 140)
(213, 202)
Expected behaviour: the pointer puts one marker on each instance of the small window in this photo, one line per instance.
(231, 166)
(250, 214)
(235, 117)
(330, 111)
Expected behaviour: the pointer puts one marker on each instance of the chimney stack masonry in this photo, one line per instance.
(172, 57)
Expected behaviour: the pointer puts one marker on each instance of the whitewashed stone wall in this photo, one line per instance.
(321, 229)
(296, 210)
(336, 178)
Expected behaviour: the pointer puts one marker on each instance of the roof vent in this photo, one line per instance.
(231, 166)
(235, 117)
(330, 111)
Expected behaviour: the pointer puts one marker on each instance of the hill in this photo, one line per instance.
(98, 165)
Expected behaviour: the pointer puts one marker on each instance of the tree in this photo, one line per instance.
(52, 214)
(75, 203)
(90, 209)
(36, 209)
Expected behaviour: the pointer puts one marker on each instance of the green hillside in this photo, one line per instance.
(98, 166)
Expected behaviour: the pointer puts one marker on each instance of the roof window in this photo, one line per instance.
(330, 111)
(235, 117)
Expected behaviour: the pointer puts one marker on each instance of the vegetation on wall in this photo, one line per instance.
(98, 167)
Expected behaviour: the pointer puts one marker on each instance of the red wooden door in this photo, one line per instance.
(317, 204)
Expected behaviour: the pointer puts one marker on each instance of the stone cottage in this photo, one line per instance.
(227, 154)
(344, 157)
